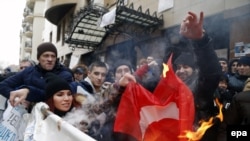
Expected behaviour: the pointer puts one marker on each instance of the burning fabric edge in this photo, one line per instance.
(136, 101)
(169, 90)
(205, 125)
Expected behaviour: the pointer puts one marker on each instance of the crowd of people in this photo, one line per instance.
(195, 63)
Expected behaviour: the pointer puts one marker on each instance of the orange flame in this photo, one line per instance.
(165, 70)
(197, 135)
(220, 115)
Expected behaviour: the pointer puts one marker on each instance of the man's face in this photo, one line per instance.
(24, 65)
(47, 60)
(97, 76)
(223, 65)
(234, 67)
(222, 85)
(120, 71)
(184, 71)
(78, 76)
(243, 69)
(150, 59)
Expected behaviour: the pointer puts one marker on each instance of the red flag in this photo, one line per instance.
(163, 115)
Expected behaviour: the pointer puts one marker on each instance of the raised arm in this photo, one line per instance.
(192, 27)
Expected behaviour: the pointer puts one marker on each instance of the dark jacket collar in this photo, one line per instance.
(56, 68)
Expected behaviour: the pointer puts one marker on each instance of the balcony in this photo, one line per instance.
(85, 31)
(30, 3)
(27, 30)
(26, 12)
(27, 49)
(29, 18)
(138, 23)
(55, 10)
(24, 23)
(29, 34)
(28, 44)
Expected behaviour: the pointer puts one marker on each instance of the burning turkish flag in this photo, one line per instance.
(164, 115)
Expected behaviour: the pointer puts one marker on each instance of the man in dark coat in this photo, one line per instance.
(238, 113)
(237, 81)
(29, 84)
(204, 69)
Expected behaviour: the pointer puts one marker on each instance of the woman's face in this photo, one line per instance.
(63, 100)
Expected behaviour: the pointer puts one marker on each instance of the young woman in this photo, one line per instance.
(58, 94)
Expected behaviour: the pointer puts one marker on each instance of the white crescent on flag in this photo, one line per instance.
(150, 114)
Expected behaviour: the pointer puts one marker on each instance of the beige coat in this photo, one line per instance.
(247, 85)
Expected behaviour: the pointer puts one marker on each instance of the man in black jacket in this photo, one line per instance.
(238, 113)
(203, 73)
(29, 84)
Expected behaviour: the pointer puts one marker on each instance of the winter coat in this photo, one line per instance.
(206, 84)
(204, 81)
(238, 113)
(33, 79)
(236, 83)
(224, 96)
(247, 85)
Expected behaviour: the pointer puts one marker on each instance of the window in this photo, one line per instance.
(58, 34)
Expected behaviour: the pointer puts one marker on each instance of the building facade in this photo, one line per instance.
(86, 30)
(33, 26)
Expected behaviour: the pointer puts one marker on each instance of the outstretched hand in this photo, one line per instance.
(192, 27)
(126, 79)
(17, 96)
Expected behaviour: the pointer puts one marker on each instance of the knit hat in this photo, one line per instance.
(244, 60)
(54, 83)
(185, 59)
(47, 46)
(79, 70)
(223, 59)
(119, 63)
